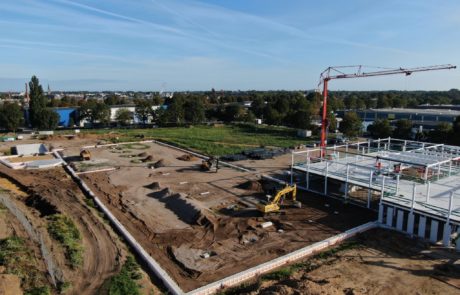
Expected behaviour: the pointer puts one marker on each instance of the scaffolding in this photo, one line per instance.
(419, 175)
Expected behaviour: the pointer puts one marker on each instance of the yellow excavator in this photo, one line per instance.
(273, 205)
(210, 163)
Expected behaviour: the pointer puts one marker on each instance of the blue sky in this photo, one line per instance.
(224, 44)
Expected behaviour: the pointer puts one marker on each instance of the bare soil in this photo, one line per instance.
(32, 261)
(381, 262)
(10, 284)
(186, 215)
(52, 191)
(30, 158)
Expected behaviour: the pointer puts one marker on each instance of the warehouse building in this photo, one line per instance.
(423, 119)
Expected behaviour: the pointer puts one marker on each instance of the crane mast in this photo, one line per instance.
(340, 72)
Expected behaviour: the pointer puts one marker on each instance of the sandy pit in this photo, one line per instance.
(375, 262)
(203, 226)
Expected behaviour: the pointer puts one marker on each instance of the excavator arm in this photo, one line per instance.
(274, 205)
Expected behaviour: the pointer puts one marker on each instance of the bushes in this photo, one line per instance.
(64, 230)
(125, 283)
(44, 290)
(17, 259)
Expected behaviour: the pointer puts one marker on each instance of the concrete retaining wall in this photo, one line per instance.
(149, 261)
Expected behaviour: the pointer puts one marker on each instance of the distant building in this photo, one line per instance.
(423, 119)
(166, 94)
(454, 107)
(115, 108)
(67, 116)
(130, 107)
(29, 149)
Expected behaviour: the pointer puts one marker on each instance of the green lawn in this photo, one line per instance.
(217, 141)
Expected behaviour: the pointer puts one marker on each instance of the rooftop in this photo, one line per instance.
(416, 111)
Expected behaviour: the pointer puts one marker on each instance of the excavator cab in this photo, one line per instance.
(209, 164)
(274, 205)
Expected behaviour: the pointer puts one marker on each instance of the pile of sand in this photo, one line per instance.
(160, 163)
(251, 185)
(187, 157)
(154, 185)
(10, 284)
(186, 209)
(149, 158)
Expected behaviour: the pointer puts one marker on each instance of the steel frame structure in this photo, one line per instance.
(429, 173)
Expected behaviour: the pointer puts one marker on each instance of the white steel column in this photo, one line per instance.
(346, 150)
(426, 172)
(346, 181)
(382, 192)
(447, 228)
(414, 191)
(428, 190)
(369, 191)
(397, 184)
(439, 170)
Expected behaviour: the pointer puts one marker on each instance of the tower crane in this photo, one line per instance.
(347, 72)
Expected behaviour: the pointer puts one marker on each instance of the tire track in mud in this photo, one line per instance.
(102, 251)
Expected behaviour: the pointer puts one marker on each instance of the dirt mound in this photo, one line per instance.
(44, 206)
(185, 209)
(161, 194)
(149, 158)
(160, 163)
(205, 218)
(251, 185)
(187, 157)
(154, 185)
(144, 154)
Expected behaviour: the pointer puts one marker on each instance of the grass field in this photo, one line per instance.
(216, 141)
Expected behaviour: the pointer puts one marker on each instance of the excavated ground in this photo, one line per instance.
(32, 260)
(375, 262)
(52, 191)
(179, 214)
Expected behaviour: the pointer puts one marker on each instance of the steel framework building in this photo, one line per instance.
(418, 176)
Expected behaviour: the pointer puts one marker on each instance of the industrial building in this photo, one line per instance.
(67, 116)
(423, 119)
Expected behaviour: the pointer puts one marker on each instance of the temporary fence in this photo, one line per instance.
(54, 272)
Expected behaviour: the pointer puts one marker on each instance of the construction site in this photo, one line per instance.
(200, 225)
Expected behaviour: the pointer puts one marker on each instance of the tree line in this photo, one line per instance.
(297, 109)
(402, 129)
